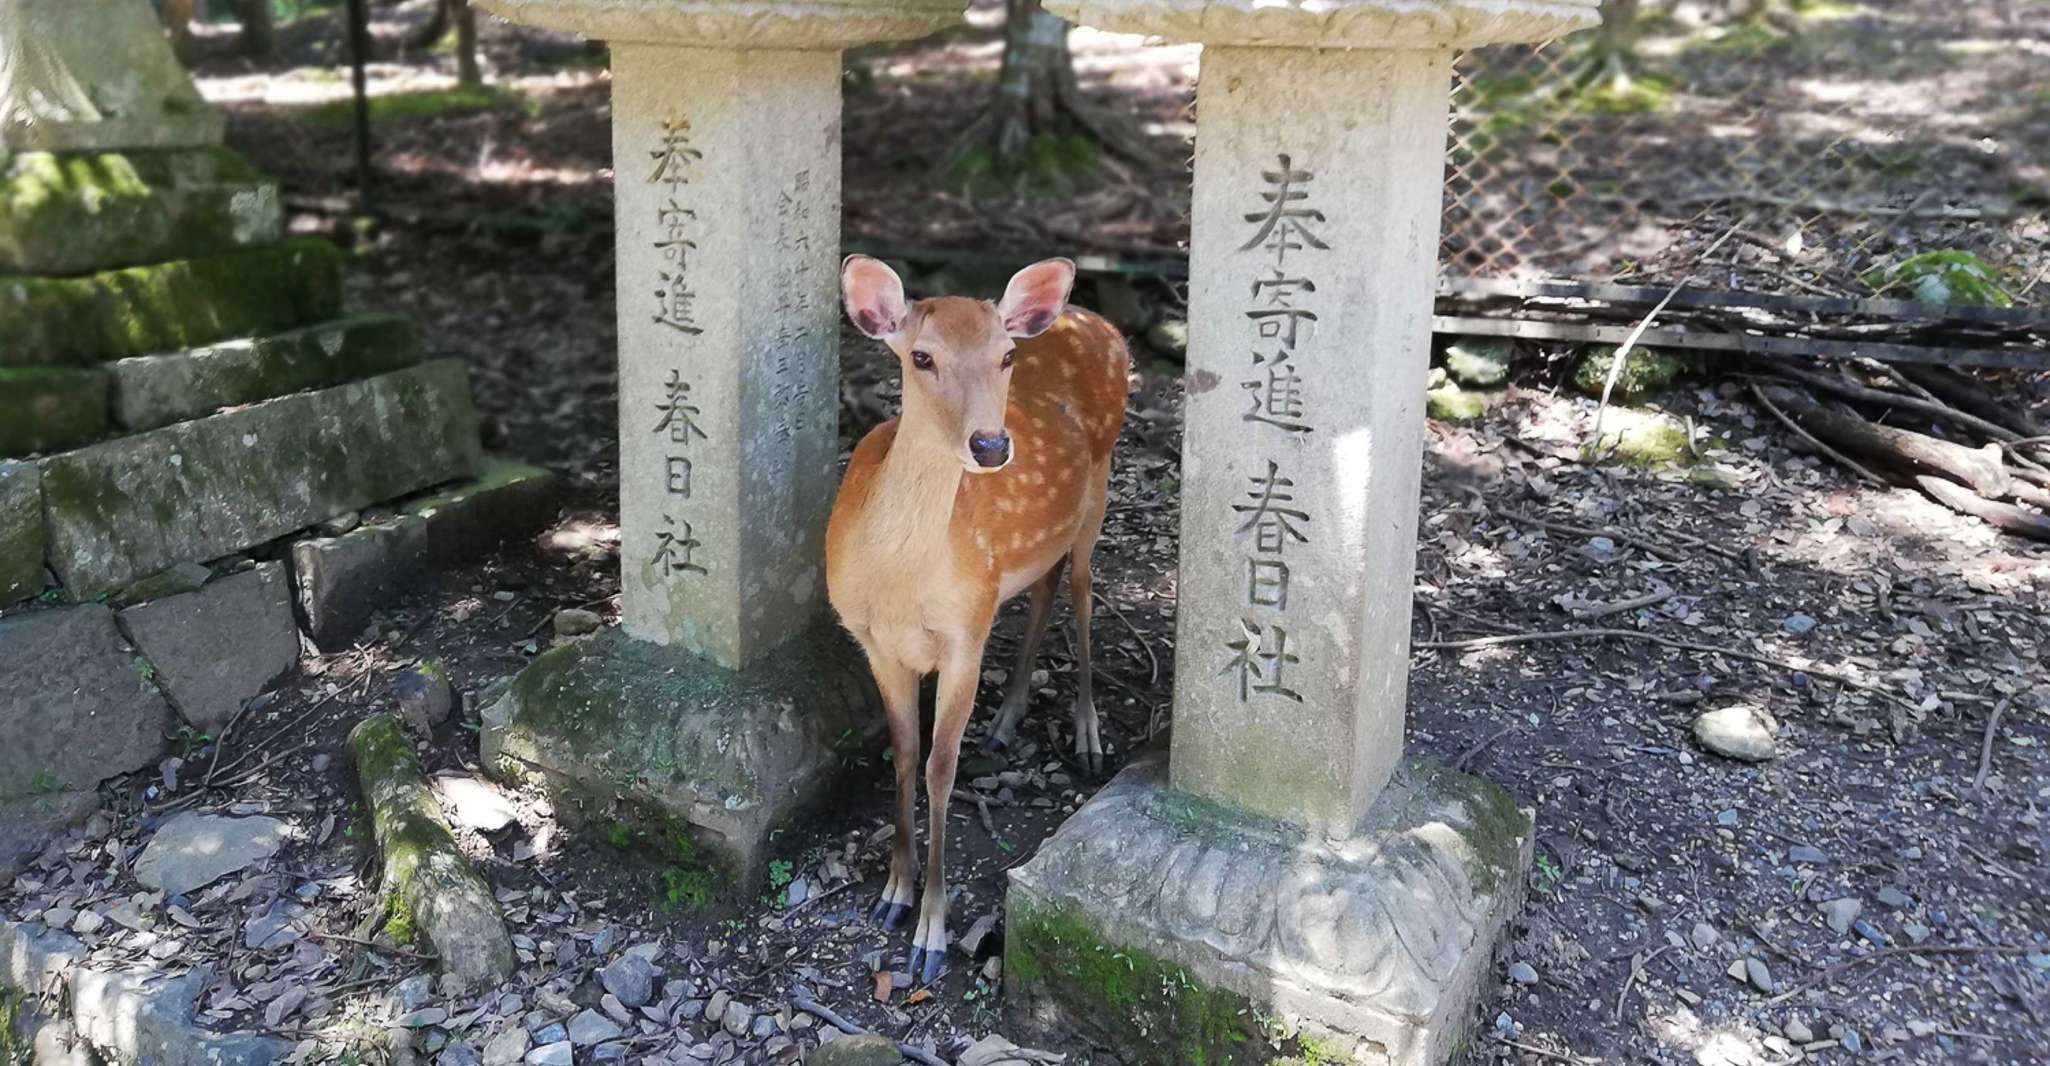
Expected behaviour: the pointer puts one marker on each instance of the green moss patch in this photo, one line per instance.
(46, 408)
(169, 306)
(64, 213)
(157, 390)
(1646, 372)
(22, 539)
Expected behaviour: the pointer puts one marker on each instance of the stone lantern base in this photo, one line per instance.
(1178, 931)
(733, 754)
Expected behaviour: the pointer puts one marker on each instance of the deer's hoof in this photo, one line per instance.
(891, 916)
(927, 965)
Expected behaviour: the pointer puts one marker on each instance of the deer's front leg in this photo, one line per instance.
(958, 675)
(899, 687)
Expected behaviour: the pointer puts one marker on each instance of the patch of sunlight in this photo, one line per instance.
(582, 536)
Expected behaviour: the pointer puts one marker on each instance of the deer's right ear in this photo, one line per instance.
(874, 296)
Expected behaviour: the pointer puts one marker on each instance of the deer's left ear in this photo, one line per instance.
(1036, 296)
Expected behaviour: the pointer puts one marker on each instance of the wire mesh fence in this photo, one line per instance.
(1836, 154)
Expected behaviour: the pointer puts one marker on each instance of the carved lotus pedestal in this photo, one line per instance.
(1288, 885)
(725, 696)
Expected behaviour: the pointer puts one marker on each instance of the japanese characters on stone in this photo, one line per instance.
(1281, 314)
(674, 161)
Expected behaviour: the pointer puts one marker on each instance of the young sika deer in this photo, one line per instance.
(993, 478)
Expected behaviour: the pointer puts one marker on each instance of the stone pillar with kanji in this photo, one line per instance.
(724, 695)
(1286, 862)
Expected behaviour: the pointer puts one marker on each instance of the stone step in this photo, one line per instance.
(198, 490)
(168, 307)
(21, 532)
(45, 408)
(78, 212)
(156, 390)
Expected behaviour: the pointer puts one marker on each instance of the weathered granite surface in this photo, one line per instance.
(734, 754)
(505, 500)
(339, 582)
(21, 531)
(217, 647)
(193, 850)
(168, 306)
(157, 390)
(78, 212)
(76, 708)
(1167, 925)
(202, 489)
(46, 408)
(1335, 24)
(108, 81)
(786, 24)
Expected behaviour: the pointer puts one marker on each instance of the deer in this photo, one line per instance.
(992, 480)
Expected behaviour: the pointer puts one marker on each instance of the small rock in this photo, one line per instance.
(1871, 933)
(1523, 973)
(1915, 931)
(1799, 625)
(424, 696)
(631, 978)
(507, 1047)
(577, 622)
(274, 929)
(864, 1049)
(87, 922)
(591, 1027)
(972, 940)
(560, 1053)
(553, 1033)
(605, 941)
(287, 1004)
(340, 524)
(611, 1005)
(413, 992)
(473, 804)
(1703, 936)
(1840, 913)
(192, 851)
(738, 1018)
(1755, 971)
(715, 1007)
(459, 1055)
(424, 1017)
(1806, 854)
(321, 762)
(1894, 897)
(1797, 1030)
(613, 1052)
(1738, 732)
(1851, 1041)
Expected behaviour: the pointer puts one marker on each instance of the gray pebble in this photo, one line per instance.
(1523, 973)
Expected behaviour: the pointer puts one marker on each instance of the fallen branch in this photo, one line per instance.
(2005, 516)
(1848, 965)
(1965, 394)
(1981, 469)
(1556, 635)
(1933, 408)
(1590, 611)
(1986, 745)
(1842, 460)
(826, 1014)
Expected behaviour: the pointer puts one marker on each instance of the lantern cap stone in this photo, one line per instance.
(801, 25)
(74, 79)
(1386, 24)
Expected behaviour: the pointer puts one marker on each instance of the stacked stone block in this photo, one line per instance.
(183, 399)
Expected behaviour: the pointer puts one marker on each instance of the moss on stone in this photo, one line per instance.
(1647, 439)
(75, 212)
(17, 1044)
(168, 306)
(1478, 362)
(47, 408)
(22, 536)
(1646, 372)
(1497, 827)
(1150, 1006)
(152, 391)
(1450, 403)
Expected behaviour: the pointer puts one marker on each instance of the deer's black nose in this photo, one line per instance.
(991, 451)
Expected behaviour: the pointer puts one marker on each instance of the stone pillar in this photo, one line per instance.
(1287, 862)
(94, 74)
(730, 682)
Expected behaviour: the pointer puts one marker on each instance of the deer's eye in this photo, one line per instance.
(1010, 357)
(921, 359)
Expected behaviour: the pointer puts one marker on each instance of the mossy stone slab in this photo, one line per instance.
(202, 489)
(734, 754)
(64, 213)
(157, 390)
(1184, 930)
(168, 306)
(21, 532)
(506, 499)
(46, 408)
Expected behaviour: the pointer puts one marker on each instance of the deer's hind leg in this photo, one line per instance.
(1088, 735)
(1018, 690)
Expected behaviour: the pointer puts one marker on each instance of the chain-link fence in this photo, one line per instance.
(1836, 150)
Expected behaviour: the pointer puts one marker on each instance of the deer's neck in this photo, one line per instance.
(914, 501)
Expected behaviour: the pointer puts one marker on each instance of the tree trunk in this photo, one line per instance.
(178, 16)
(1037, 68)
(469, 72)
(436, 27)
(1998, 515)
(1982, 469)
(259, 28)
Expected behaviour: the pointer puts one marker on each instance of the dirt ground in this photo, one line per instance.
(1917, 788)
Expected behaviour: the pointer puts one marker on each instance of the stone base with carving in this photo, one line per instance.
(735, 754)
(1178, 931)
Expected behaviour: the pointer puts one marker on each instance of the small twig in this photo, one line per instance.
(826, 1014)
(1637, 964)
(1154, 678)
(1656, 596)
(1853, 963)
(373, 945)
(1842, 459)
(1986, 746)
(1468, 755)
(1664, 642)
(1551, 1056)
(1630, 341)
